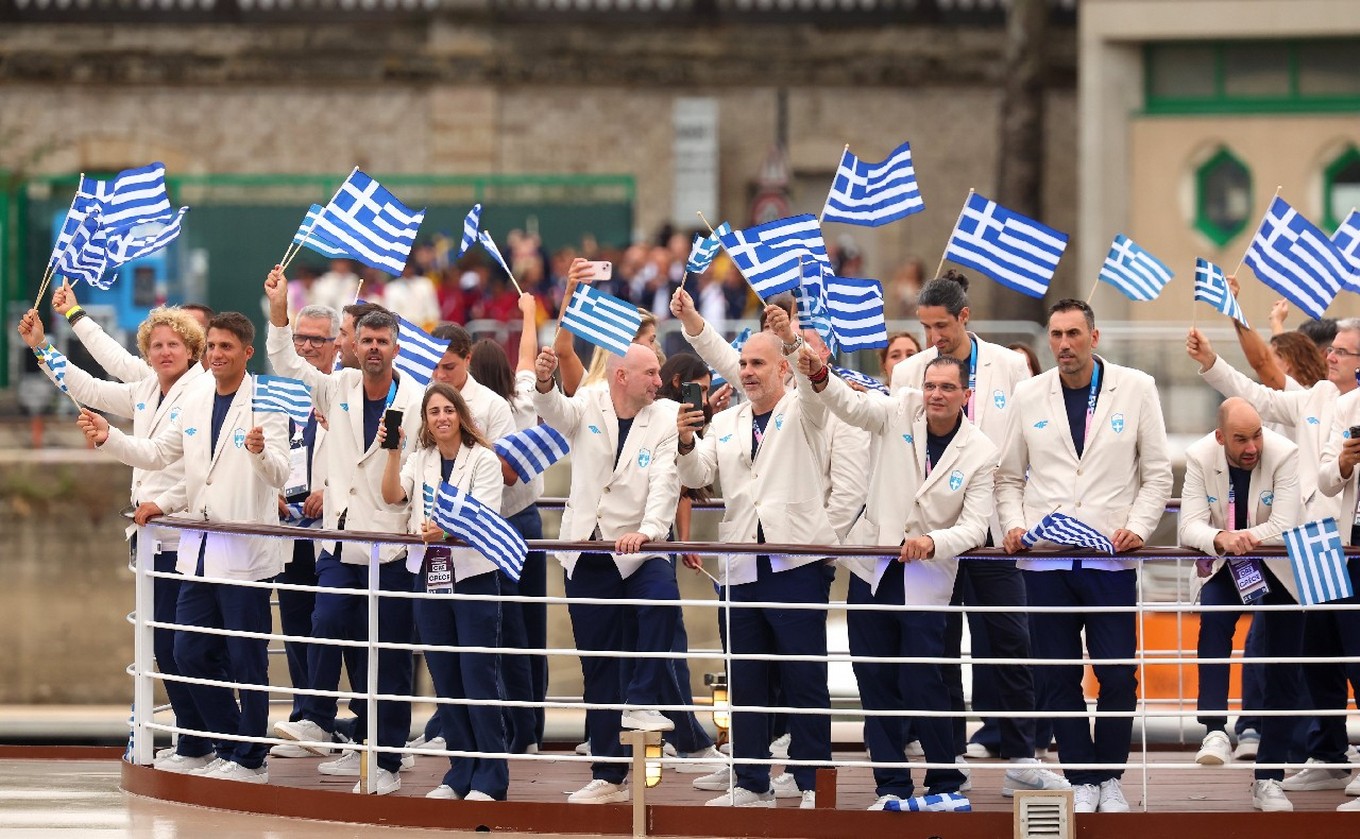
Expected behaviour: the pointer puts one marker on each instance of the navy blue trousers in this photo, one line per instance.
(524, 625)
(164, 606)
(607, 627)
(901, 687)
(1332, 634)
(775, 631)
(468, 675)
(1108, 635)
(345, 617)
(295, 615)
(244, 661)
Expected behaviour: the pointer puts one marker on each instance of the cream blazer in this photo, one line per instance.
(477, 472)
(999, 371)
(1340, 491)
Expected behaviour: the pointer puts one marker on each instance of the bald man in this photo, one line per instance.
(1242, 491)
(624, 491)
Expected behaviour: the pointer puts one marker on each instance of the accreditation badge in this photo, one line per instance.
(297, 484)
(438, 570)
(1250, 579)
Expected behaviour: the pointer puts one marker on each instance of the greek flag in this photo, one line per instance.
(1347, 240)
(1212, 288)
(310, 235)
(370, 224)
(944, 802)
(85, 257)
(1136, 273)
(468, 519)
(1062, 529)
(602, 319)
(134, 196)
(489, 243)
(470, 228)
(769, 255)
(418, 352)
(873, 194)
(810, 300)
(531, 451)
(1018, 252)
(855, 309)
(717, 381)
(703, 250)
(862, 379)
(281, 394)
(85, 202)
(123, 245)
(1293, 257)
(1319, 562)
(56, 362)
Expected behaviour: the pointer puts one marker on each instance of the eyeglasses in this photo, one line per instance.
(1342, 353)
(313, 340)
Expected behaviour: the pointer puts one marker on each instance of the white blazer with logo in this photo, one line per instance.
(636, 495)
(477, 472)
(782, 490)
(1273, 498)
(951, 505)
(224, 484)
(353, 474)
(1310, 412)
(999, 371)
(1122, 479)
(1341, 492)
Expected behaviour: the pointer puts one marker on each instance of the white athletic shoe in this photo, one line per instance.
(1215, 750)
(1268, 797)
(1028, 773)
(384, 783)
(1112, 797)
(784, 786)
(182, 764)
(600, 791)
(304, 730)
(742, 797)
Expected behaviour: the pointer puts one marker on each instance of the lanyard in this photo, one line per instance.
(972, 377)
(391, 393)
(1232, 507)
(1091, 400)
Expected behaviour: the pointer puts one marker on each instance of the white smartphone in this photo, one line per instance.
(599, 271)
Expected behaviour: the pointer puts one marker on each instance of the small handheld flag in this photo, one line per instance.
(864, 380)
(418, 352)
(1347, 240)
(468, 519)
(370, 224)
(703, 250)
(281, 394)
(602, 319)
(1319, 562)
(873, 194)
(1137, 274)
(1292, 256)
(1212, 287)
(944, 802)
(531, 451)
(769, 255)
(1016, 251)
(1063, 529)
(308, 234)
(470, 229)
(855, 309)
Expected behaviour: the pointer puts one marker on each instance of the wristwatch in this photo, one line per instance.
(789, 349)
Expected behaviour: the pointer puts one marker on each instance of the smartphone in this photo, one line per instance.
(599, 271)
(1355, 432)
(392, 424)
(692, 395)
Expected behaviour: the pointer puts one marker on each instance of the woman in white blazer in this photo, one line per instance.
(450, 449)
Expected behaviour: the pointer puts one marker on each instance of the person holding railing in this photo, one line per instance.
(1087, 438)
(1241, 491)
(944, 467)
(355, 402)
(451, 449)
(770, 456)
(623, 494)
(235, 462)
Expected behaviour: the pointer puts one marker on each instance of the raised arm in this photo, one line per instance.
(111, 397)
(557, 410)
(1273, 405)
(528, 334)
(573, 371)
(869, 410)
(711, 347)
(108, 353)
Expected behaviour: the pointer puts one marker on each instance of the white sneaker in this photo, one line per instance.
(1248, 743)
(232, 771)
(304, 730)
(1268, 797)
(967, 774)
(443, 792)
(1353, 754)
(477, 795)
(182, 764)
(290, 750)
(645, 719)
(384, 783)
(809, 801)
(913, 749)
(345, 764)
(694, 763)
(583, 749)
(1028, 773)
(1349, 807)
(1085, 798)
(1112, 798)
(726, 749)
(211, 767)
(600, 791)
(1215, 750)
(784, 786)
(716, 781)
(742, 797)
(1315, 778)
(162, 754)
(438, 744)
(883, 800)
(779, 749)
(979, 751)
(1353, 788)
(408, 762)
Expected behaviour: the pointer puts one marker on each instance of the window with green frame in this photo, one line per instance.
(1222, 197)
(1283, 76)
(1340, 188)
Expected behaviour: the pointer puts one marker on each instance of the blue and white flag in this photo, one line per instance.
(1347, 240)
(864, 380)
(602, 319)
(1016, 251)
(418, 352)
(489, 243)
(716, 380)
(370, 224)
(466, 518)
(1212, 287)
(703, 250)
(855, 308)
(770, 255)
(1292, 256)
(134, 196)
(137, 241)
(56, 362)
(810, 302)
(85, 201)
(85, 256)
(471, 227)
(531, 451)
(943, 802)
(1319, 562)
(310, 235)
(1062, 529)
(1136, 273)
(280, 394)
(873, 194)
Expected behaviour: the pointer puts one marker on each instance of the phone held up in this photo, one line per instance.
(692, 396)
(392, 427)
(599, 271)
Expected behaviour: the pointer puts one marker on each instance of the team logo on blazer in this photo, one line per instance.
(955, 480)
(174, 413)
(239, 437)
(191, 431)
(1312, 421)
(1117, 423)
(644, 458)
(1268, 498)
(999, 399)
(141, 406)
(909, 439)
(724, 438)
(1212, 499)
(1041, 424)
(344, 406)
(778, 422)
(594, 429)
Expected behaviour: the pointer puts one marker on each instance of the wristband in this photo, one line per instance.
(75, 313)
(682, 448)
(820, 376)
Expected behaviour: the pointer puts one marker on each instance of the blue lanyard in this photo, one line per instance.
(972, 376)
(391, 393)
(1091, 400)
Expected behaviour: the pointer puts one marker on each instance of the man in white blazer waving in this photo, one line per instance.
(235, 463)
(623, 494)
(1086, 438)
(1242, 490)
(770, 455)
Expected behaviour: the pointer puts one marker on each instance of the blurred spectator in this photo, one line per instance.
(336, 288)
(1030, 358)
(899, 297)
(413, 296)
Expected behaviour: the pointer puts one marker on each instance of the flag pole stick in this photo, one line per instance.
(700, 214)
(739, 271)
(505, 265)
(1094, 286)
(52, 262)
(833, 186)
(290, 252)
(358, 288)
(1257, 233)
(939, 271)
